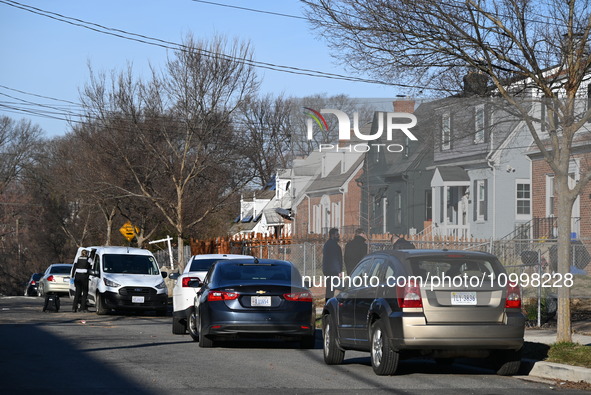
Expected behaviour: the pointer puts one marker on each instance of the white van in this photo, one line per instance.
(125, 278)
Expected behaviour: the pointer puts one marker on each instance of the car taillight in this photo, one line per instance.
(32, 282)
(214, 296)
(409, 295)
(51, 278)
(513, 299)
(298, 296)
(187, 280)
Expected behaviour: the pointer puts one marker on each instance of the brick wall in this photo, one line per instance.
(539, 171)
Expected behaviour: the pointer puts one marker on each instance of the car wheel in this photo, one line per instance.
(333, 355)
(308, 341)
(100, 305)
(192, 327)
(507, 362)
(204, 342)
(178, 327)
(384, 359)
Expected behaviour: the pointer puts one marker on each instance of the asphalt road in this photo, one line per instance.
(82, 353)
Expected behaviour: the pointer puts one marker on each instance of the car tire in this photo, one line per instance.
(204, 342)
(384, 359)
(100, 305)
(192, 326)
(507, 362)
(333, 355)
(178, 327)
(308, 342)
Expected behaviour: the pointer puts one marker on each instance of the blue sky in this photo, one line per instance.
(50, 58)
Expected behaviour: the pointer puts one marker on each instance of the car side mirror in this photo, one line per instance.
(94, 273)
(174, 276)
(164, 274)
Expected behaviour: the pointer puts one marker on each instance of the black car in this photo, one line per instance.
(31, 289)
(426, 303)
(252, 296)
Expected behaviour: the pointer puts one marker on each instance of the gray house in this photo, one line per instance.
(481, 183)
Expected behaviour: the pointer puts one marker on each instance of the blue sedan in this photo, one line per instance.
(252, 296)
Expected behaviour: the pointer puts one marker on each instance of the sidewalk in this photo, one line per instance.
(555, 371)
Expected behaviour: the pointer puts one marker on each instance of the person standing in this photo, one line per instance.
(355, 250)
(81, 268)
(332, 259)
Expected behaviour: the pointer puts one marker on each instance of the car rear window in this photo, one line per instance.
(37, 276)
(60, 269)
(203, 265)
(129, 264)
(255, 273)
(453, 266)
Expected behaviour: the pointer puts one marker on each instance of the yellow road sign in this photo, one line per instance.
(129, 231)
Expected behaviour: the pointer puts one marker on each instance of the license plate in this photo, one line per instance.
(260, 301)
(463, 298)
(66, 279)
(137, 299)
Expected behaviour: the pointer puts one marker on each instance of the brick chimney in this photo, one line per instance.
(404, 105)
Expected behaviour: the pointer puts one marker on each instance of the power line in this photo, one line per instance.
(251, 9)
(180, 47)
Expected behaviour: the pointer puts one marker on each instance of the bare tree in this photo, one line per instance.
(173, 134)
(520, 45)
(18, 140)
(267, 126)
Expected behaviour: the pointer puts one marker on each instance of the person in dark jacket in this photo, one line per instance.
(400, 243)
(80, 270)
(332, 259)
(355, 250)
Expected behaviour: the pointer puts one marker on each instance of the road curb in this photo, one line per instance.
(557, 371)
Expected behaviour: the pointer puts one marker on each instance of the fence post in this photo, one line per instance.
(540, 288)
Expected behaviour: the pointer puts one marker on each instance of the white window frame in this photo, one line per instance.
(550, 198)
(479, 124)
(445, 131)
(522, 216)
(480, 200)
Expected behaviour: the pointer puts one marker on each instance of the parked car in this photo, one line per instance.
(405, 312)
(125, 278)
(252, 296)
(55, 280)
(32, 287)
(186, 287)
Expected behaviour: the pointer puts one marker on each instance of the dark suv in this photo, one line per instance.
(434, 303)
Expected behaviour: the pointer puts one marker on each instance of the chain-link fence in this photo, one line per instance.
(533, 262)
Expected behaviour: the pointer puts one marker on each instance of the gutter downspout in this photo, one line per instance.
(491, 163)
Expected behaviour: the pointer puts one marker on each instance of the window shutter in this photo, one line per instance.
(485, 213)
(475, 200)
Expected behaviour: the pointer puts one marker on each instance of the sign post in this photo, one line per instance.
(168, 239)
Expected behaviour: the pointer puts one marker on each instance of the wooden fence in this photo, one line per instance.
(243, 243)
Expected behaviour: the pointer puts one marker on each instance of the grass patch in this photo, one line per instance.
(570, 354)
(565, 353)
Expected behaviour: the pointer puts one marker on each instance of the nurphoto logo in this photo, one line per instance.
(392, 120)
